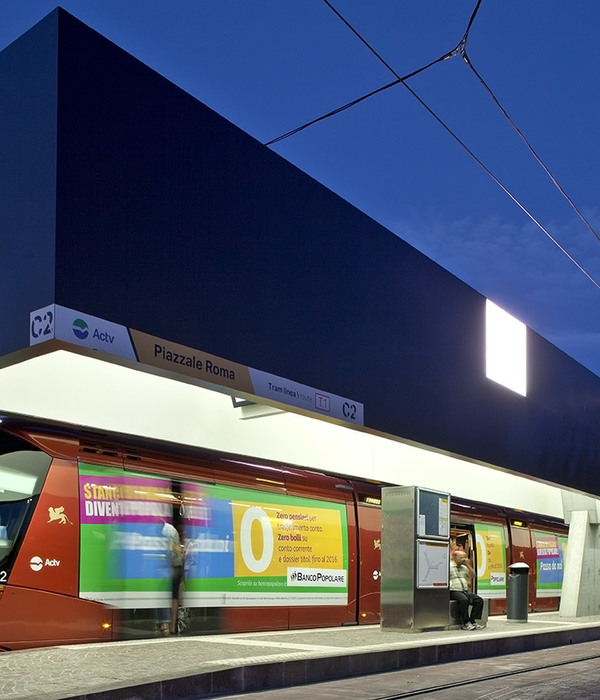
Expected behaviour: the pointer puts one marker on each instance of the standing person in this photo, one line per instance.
(461, 573)
(176, 555)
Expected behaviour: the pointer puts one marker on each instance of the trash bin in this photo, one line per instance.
(517, 592)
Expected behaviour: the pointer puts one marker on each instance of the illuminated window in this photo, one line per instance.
(506, 349)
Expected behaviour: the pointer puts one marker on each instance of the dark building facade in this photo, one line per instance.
(124, 197)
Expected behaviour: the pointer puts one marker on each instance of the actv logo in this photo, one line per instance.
(37, 563)
(80, 329)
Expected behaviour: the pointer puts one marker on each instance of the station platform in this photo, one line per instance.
(178, 668)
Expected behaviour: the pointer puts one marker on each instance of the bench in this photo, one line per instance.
(456, 623)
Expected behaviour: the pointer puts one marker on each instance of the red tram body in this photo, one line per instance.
(58, 513)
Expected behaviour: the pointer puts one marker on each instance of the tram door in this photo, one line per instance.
(537, 547)
(523, 552)
(463, 537)
(369, 533)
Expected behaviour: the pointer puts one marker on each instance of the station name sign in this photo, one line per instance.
(54, 322)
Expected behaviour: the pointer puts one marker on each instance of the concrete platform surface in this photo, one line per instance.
(177, 668)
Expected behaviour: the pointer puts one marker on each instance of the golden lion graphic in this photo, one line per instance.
(58, 514)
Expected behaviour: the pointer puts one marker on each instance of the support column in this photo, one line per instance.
(581, 588)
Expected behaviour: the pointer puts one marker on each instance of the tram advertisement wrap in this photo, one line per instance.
(241, 546)
(549, 564)
(491, 560)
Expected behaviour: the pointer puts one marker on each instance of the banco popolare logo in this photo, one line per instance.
(80, 329)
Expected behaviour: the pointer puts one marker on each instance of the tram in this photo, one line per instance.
(84, 554)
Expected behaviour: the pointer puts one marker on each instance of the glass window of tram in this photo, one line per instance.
(22, 475)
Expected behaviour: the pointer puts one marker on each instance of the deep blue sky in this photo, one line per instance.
(272, 65)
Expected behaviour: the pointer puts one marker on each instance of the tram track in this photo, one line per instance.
(489, 677)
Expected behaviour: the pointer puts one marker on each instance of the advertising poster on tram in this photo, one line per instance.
(241, 546)
(491, 560)
(549, 566)
(276, 550)
(123, 554)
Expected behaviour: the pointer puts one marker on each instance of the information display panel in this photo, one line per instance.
(432, 564)
(433, 513)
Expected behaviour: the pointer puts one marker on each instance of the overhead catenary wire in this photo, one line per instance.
(505, 189)
(399, 79)
(332, 113)
(459, 50)
(528, 145)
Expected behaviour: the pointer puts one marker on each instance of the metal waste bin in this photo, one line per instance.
(517, 592)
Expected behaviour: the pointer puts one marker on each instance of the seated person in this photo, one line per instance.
(454, 545)
(461, 573)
